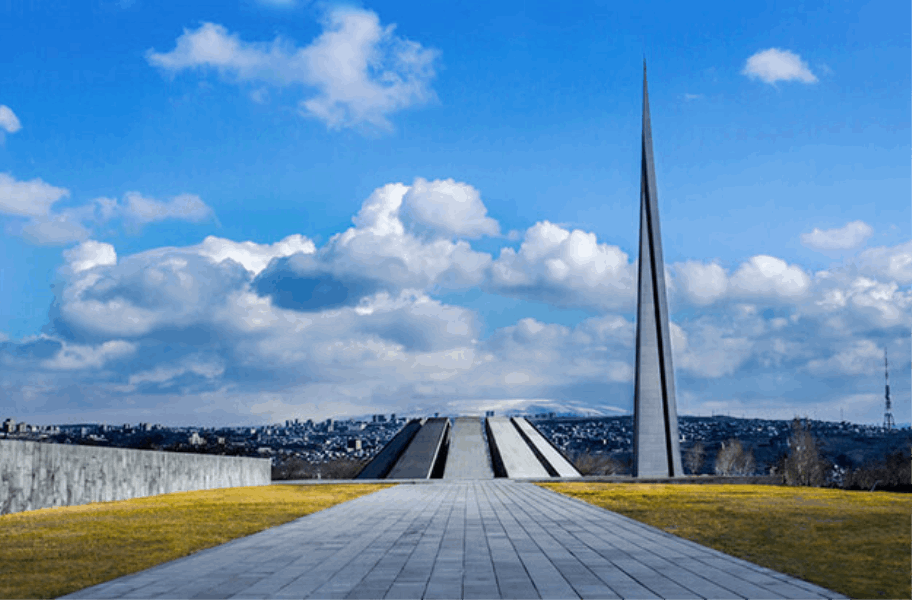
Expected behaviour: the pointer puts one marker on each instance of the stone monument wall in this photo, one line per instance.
(37, 475)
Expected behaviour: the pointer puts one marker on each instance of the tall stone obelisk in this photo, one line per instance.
(656, 449)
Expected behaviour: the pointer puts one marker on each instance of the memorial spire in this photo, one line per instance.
(656, 446)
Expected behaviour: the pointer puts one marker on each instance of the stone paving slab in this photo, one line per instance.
(461, 539)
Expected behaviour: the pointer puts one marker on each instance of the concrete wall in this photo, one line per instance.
(35, 475)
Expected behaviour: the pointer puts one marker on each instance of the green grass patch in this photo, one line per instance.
(54, 551)
(854, 543)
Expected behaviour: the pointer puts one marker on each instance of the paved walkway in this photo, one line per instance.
(465, 539)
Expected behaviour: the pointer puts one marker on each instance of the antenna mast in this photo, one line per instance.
(888, 415)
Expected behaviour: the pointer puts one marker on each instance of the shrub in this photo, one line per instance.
(598, 464)
(297, 468)
(894, 472)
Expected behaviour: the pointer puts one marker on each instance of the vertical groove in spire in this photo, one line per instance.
(656, 444)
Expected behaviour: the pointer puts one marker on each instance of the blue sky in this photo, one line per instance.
(249, 211)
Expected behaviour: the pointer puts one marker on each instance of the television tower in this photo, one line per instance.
(888, 415)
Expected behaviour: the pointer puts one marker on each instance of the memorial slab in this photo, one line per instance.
(514, 453)
(557, 461)
(420, 456)
(467, 457)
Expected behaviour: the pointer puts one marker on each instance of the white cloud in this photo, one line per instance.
(8, 119)
(186, 207)
(166, 374)
(359, 70)
(448, 208)
(90, 254)
(771, 277)
(862, 357)
(890, 263)
(254, 257)
(377, 254)
(774, 65)
(702, 283)
(565, 268)
(28, 198)
(709, 351)
(851, 236)
(52, 230)
(74, 357)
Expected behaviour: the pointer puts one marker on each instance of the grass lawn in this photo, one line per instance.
(854, 543)
(55, 551)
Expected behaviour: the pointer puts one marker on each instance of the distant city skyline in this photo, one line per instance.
(245, 213)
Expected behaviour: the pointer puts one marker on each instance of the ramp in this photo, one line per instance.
(418, 460)
(511, 451)
(387, 457)
(467, 457)
(547, 450)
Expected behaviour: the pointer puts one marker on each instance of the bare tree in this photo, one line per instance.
(732, 459)
(695, 457)
(804, 464)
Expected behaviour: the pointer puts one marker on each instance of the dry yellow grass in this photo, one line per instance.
(54, 551)
(854, 543)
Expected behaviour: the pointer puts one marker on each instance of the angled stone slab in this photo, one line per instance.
(419, 458)
(511, 449)
(381, 464)
(561, 465)
(467, 457)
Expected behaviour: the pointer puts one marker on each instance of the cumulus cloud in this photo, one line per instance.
(447, 208)
(861, 357)
(357, 71)
(851, 236)
(72, 357)
(254, 257)
(771, 277)
(28, 198)
(888, 263)
(90, 254)
(774, 65)
(287, 329)
(34, 199)
(566, 269)
(8, 119)
(701, 283)
(375, 255)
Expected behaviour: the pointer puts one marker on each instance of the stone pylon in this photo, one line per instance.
(656, 448)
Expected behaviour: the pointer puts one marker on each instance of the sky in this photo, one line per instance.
(250, 211)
